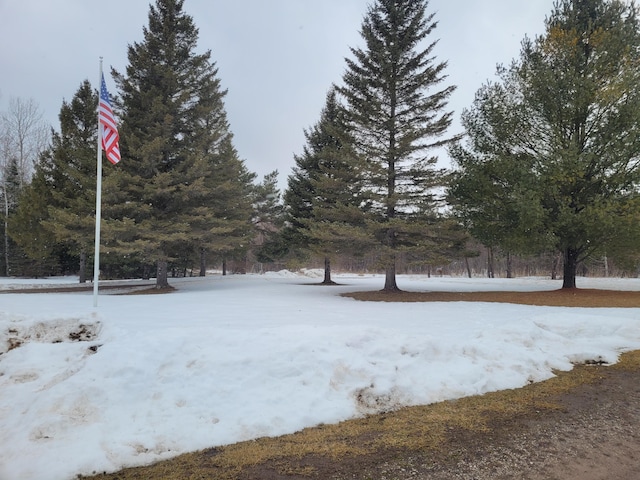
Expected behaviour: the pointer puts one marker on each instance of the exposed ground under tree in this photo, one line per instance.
(566, 297)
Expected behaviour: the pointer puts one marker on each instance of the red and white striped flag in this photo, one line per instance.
(110, 135)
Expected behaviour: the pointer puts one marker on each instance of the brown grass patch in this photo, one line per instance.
(569, 297)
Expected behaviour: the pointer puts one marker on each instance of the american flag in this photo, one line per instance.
(110, 135)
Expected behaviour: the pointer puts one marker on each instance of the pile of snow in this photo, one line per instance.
(18, 330)
(225, 359)
(21, 283)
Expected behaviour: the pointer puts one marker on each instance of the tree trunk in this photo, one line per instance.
(224, 266)
(7, 271)
(490, 273)
(390, 284)
(161, 277)
(466, 262)
(509, 266)
(83, 267)
(570, 268)
(327, 272)
(554, 267)
(203, 262)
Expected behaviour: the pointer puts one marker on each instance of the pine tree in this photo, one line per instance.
(268, 216)
(323, 197)
(10, 189)
(58, 215)
(503, 214)
(224, 228)
(72, 171)
(173, 124)
(26, 226)
(555, 142)
(397, 113)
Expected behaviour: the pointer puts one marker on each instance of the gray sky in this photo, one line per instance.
(277, 58)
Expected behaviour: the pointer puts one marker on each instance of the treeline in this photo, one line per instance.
(545, 178)
(485, 262)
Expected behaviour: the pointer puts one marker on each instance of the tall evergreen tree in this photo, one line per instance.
(323, 196)
(223, 229)
(72, 168)
(173, 121)
(10, 189)
(268, 216)
(553, 154)
(27, 226)
(396, 109)
(58, 215)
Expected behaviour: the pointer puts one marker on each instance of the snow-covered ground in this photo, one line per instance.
(225, 359)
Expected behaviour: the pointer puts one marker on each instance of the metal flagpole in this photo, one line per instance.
(96, 257)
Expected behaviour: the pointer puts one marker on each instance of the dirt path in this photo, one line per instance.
(595, 437)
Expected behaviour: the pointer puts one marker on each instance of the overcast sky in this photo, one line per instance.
(277, 58)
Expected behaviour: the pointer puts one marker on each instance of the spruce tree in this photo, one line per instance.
(323, 196)
(72, 171)
(223, 229)
(58, 215)
(27, 228)
(396, 109)
(10, 189)
(173, 123)
(267, 217)
(555, 142)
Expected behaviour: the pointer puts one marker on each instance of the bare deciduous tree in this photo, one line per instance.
(23, 135)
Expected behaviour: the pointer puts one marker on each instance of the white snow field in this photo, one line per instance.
(142, 378)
